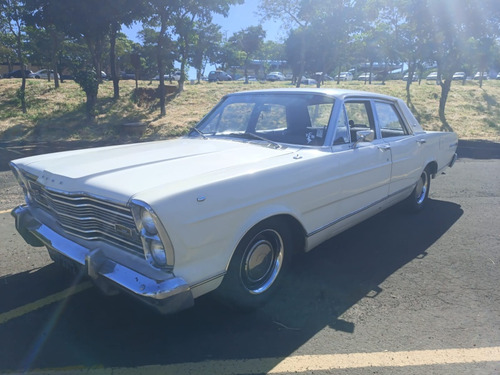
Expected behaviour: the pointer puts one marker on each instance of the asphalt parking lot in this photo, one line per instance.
(397, 294)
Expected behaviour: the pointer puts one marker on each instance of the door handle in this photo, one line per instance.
(384, 147)
(421, 141)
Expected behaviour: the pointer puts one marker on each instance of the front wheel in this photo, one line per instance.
(419, 196)
(258, 265)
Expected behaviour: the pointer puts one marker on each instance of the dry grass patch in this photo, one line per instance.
(472, 112)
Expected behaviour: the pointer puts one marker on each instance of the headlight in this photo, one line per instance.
(148, 222)
(158, 253)
(158, 249)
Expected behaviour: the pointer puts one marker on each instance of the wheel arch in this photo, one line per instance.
(432, 166)
(297, 232)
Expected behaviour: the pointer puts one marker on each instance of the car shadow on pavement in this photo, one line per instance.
(89, 329)
(478, 149)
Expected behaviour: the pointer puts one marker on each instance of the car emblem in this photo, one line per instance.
(123, 230)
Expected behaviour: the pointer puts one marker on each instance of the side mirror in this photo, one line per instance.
(364, 136)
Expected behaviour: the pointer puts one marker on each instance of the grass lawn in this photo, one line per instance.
(58, 115)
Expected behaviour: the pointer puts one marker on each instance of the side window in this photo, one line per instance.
(390, 122)
(359, 117)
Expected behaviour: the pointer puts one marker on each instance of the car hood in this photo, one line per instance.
(120, 172)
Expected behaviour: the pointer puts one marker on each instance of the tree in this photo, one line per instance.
(88, 20)
(159, 20)
(178, 17)
(42, 18)
(416, 34)
(450, 32)
(7, 43)
(205, 45)
(293, 13)
(249, 42)
(122, 12)
(14, 14)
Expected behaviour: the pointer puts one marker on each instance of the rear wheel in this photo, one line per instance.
(258, 265)
(419, 196)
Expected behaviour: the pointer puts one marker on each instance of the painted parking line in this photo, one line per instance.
(23, 310)
(303, 364)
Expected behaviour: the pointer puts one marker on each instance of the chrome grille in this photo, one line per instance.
(88, 217)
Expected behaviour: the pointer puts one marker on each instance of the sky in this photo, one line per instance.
(240, 17)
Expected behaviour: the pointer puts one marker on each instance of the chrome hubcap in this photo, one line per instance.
(262, 261)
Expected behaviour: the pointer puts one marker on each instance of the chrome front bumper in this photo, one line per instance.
(167, 295)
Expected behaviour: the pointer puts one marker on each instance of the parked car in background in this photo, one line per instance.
(275, 76)
(344, 76)
(250, 79)
(18, 74)
(175, 75)
(308, 81)
(479, 74)
(218, 75)
(459, 76)
(126, 75)
(365, 77)
(44, 74)
(166, 77)
(414, 78)
(432, 76)
(264, 176)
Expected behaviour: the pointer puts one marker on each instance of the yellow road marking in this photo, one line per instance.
(304, 363)
(20, 311)
(5, 211)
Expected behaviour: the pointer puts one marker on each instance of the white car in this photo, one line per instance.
(44, 74)
(459, 76)
(275, 76)
(432, 76)
(344, 76)
(265, 175)
(308, 81)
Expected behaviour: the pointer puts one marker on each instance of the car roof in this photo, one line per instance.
(337, 93)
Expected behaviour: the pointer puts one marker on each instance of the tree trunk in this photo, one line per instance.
(302, 62)
(161, 66)
(409, 81)
(22, 92)
(90, 106)
(53, 56)
(445, 90)
(112, 61)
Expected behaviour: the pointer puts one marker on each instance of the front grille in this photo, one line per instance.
(88, 217)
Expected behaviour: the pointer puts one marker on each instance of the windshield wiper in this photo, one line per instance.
(199, 132)
(256, 136)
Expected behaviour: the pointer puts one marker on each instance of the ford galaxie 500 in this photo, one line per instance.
(264, 175)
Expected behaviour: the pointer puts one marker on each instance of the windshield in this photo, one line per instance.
(300, 119)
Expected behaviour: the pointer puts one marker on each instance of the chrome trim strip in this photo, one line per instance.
(316, 231)
(208, 280)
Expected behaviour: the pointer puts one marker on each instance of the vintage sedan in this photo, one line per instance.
(265, 175)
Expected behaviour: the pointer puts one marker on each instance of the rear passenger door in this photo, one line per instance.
(404, 147)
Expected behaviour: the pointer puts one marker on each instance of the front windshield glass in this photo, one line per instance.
(300, 119)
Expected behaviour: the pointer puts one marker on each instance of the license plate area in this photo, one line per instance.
(68, 264)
